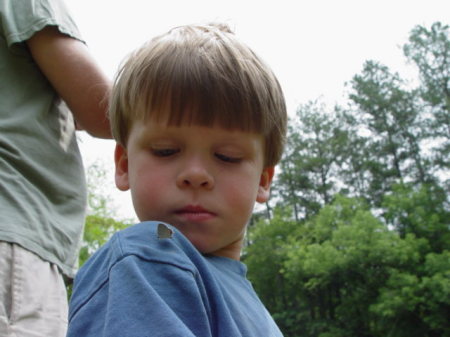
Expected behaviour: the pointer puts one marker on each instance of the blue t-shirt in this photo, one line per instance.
(145, 283)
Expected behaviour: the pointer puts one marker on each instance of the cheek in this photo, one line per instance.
(145, 174)
(147, 190)
(241, 194)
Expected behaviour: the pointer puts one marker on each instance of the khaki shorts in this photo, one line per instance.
(33, 299)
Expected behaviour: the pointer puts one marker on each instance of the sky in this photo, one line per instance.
(314, 46)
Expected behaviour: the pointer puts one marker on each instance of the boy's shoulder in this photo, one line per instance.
(151, 241)
(154, 241)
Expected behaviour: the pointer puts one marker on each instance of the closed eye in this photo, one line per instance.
(228, 159)
(164, 152)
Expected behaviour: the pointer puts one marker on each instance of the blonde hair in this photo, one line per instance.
(202, 75)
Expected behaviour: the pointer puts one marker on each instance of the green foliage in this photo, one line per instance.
(345, 256)
(422, 211)
(429, 50)
(395, 129)
(315, 147)
(343, 272)
(265, 253)
(360, 237)
(100, 224)
(97, 231)
(416, 303)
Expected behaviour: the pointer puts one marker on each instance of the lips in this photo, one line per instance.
(195, 213)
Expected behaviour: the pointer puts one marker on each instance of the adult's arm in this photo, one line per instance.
(76, 77)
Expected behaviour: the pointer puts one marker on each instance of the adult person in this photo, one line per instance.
(45, 67)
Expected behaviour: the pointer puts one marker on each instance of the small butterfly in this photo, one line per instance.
(164, 232)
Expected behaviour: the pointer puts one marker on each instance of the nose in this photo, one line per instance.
(195, 175)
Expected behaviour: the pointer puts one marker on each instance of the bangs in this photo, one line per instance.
(193, 93)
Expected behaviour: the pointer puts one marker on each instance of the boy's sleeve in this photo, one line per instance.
(143, 298)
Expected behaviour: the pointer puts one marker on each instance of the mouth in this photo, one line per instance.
(194, 213)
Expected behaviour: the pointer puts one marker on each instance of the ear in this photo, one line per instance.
(264, 184)
(121, 163)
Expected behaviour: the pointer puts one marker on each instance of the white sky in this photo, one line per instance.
(313, 46)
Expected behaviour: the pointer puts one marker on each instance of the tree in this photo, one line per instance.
(100, 224)
(419, 210)
(309, 168)
(344, 272)
(416, 303)
(354, 171)
(342, 258)
(101, 221)
(429, 50)
(394, 129)
(265, 256)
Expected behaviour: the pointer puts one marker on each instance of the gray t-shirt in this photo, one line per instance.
(42, 184)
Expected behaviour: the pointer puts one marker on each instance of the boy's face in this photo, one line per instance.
(202, 180)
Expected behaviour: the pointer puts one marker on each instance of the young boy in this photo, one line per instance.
(200, 123)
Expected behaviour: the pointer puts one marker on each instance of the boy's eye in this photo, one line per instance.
(164, 152)
(227, 159)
